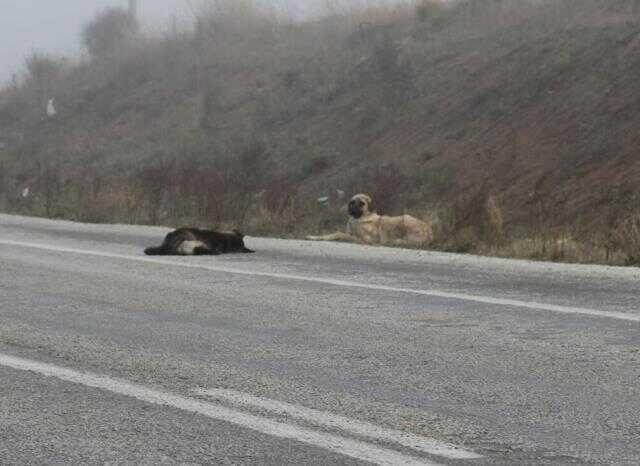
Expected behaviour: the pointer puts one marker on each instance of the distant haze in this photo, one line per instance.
(53, 27)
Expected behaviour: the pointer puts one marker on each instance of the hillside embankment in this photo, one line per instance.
(512, 124)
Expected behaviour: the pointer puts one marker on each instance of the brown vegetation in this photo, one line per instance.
(512, 123)
(108, 31)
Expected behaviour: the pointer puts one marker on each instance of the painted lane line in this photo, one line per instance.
(334, 443)
(334, 421)
(530, 305)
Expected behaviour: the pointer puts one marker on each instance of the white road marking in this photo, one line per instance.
(334, 421)
(531, 305)
(335, 443)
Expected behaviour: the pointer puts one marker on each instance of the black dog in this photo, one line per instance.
(197, 242)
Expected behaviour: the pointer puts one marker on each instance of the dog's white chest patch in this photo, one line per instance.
(187, 247)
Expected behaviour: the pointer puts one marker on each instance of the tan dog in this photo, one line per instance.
(368, 227)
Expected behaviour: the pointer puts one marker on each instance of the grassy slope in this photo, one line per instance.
(539, 106)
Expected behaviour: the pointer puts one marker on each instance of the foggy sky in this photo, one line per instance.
(54, 26)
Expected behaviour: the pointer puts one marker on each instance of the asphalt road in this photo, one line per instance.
(308, 353)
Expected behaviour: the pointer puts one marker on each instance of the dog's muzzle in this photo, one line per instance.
(354, 210)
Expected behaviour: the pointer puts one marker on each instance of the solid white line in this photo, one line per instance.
(335, 443)
(531, 305)
(334, 421)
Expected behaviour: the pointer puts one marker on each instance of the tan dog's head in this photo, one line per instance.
(360, 205)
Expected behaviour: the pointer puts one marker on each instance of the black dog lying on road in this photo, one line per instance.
(197, 242)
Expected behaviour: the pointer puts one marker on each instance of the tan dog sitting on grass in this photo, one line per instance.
(368, 227)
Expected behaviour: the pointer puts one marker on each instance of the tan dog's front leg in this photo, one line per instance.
(383, 237)
(339, 236)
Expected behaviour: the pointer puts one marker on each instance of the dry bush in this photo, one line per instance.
(477, 218)
(562, 246)
(473, 223)
(428, 10)
(12, 104)
(274, 210)
(396, 76)
(494, 221)
(315, 165)
(464, 18)
(154, 182)
(198, 194)
(233, 22)
(627, 238)
(50, 185)
(43, 68)
(42, 73)
(382, 183)
(454, 230)
(107, 31)
(231, 190)
(281, 223)
(245, 176)
(4, 186)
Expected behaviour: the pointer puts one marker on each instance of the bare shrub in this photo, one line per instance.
(396, 77)
(278, 194)
(201, 193)
(42, 68)
(4, 185)
(473, 222)
(245, 174)
(210, 104)
(564, 247)
(12, 104)
(383, 183)
(627, 238)
(315, 165)
(155, 183)
(452, 230)
(281, 222)
(427, 10)
(49, 186)
(224, 21)
(494, 221)
(107, 31)
(543, 210)
(42, 71)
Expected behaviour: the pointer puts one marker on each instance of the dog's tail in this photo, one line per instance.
(156, 251)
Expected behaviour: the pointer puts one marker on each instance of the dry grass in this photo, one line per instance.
(455, 110)
(175, 194)
(627, 239)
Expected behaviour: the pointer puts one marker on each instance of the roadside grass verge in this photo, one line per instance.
(187, 193)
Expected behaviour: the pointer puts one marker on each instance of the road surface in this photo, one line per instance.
(308, 353)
